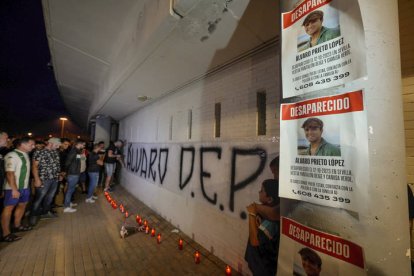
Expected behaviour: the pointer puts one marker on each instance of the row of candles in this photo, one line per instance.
(197, 255)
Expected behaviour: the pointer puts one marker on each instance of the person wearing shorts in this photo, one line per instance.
(112, 156)
(16, 188)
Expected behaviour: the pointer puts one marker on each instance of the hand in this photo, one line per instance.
(252, 208)
(15, 194)
(38, 183)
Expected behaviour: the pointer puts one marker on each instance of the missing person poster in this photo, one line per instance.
(307, 251)
(323, 46)
(324, 148)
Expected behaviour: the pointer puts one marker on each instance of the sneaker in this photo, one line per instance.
(73, 205)
(48, 215)
(89, 200)
(94, 197)
(69, 210)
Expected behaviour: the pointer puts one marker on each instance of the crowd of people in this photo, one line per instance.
(33, 173)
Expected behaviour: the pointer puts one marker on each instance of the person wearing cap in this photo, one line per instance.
(46, 170)
(318, 33)
(311, 262)
(318, 146)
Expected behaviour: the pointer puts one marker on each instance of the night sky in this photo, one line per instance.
(29, 96)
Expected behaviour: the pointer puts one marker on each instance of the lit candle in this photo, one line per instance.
(145, 222)
(140, 221)
(159, 238)
(180, 244)
(146, 229)
(138, 218)
(228, 270)
(152, 232)
(126, 214)
(197, 257)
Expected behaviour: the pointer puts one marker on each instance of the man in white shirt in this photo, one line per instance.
(16, 188)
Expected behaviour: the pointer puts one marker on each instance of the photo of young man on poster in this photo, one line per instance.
(316, 32)
(311, 262)
(318, 146)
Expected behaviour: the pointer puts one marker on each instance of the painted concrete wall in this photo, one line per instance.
(213, 224)
(102, 129)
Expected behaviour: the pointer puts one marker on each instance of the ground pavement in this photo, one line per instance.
(88, 243)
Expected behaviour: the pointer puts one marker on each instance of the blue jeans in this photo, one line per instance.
(93, 181)
(72, 182)
(44, 197)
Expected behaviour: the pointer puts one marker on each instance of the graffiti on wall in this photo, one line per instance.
(226, 176)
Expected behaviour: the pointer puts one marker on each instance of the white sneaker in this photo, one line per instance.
(89, 200)
(69, 210)
(73, 205)
(94, 197)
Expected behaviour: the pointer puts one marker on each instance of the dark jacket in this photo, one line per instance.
(72, 163)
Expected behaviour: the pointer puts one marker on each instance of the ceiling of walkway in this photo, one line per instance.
(106, 54)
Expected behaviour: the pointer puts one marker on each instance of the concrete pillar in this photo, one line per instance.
(103, 129)
(382, 227)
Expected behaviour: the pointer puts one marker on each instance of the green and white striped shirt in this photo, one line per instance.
(18, 162)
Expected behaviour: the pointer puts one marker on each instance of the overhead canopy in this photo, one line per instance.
(106, 53)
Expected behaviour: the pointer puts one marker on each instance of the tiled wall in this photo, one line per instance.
(406, 21)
